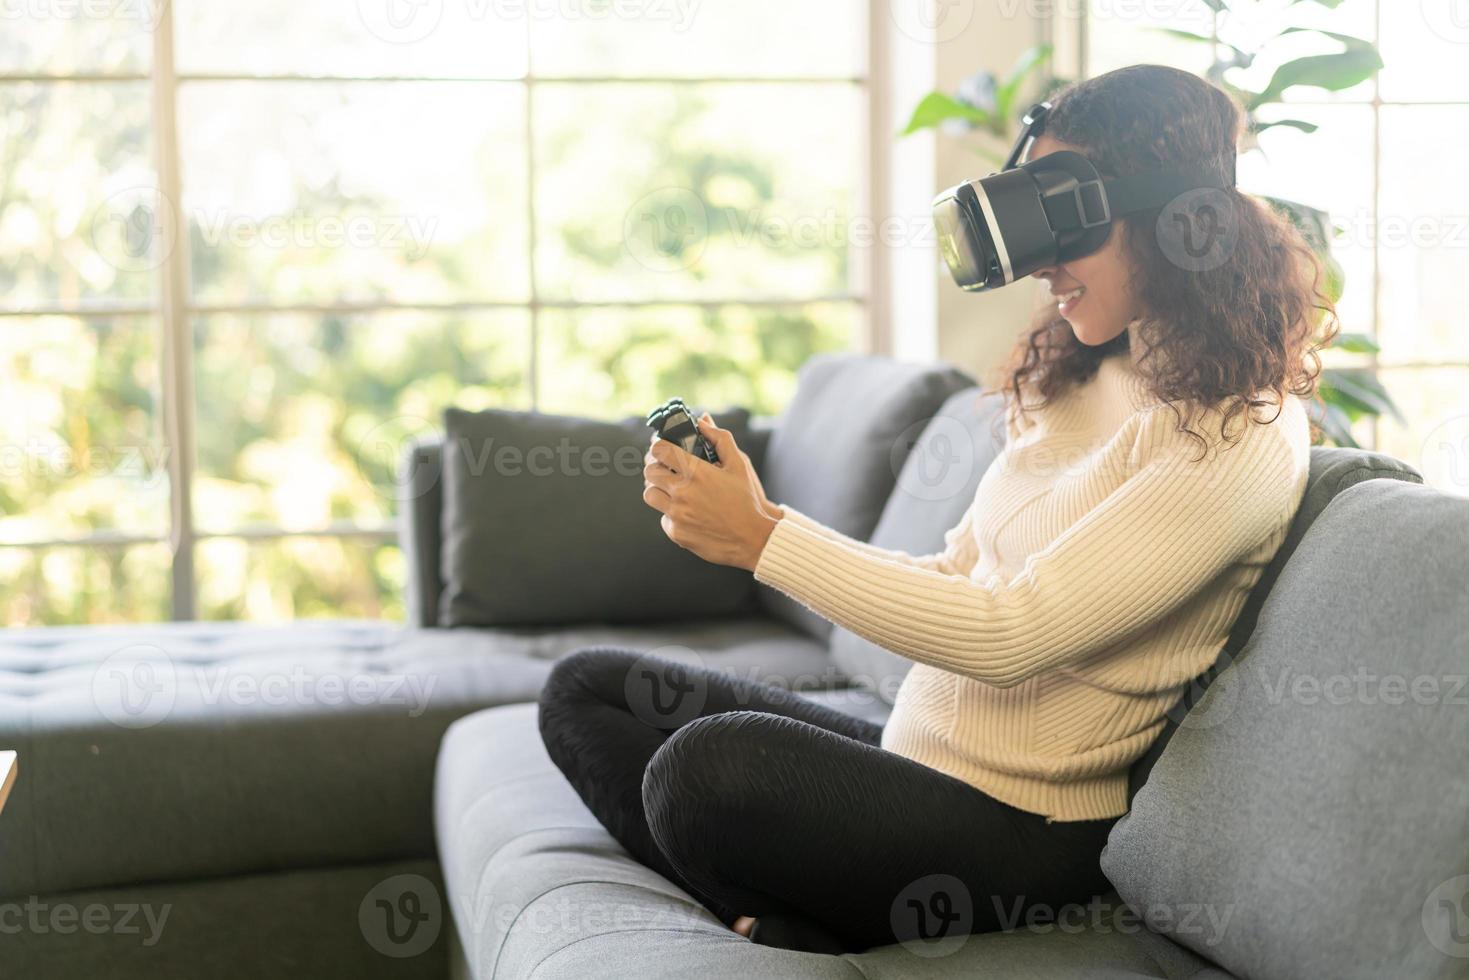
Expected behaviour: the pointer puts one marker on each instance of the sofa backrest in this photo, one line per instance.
(841, 441)
(1314, 805)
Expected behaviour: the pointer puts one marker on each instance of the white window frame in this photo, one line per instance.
(174, 310)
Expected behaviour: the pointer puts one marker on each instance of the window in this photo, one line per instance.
(1385, 164)
(251, 250)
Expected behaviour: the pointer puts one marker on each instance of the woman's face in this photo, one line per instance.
(1093, 293)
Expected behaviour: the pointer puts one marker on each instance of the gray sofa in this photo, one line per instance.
(207, 800)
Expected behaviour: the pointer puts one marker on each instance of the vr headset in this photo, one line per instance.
(997, 229)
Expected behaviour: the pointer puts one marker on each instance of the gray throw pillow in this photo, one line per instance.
(839, 445)
(1309, 818)
(544, 523)
(936, 486)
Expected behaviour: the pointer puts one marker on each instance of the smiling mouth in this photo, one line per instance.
(1066, 302)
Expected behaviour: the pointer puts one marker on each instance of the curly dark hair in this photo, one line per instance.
(1219, 338)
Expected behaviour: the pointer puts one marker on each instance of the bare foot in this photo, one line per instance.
(743, 925)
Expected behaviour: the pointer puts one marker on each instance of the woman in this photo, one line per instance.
(1157, 452)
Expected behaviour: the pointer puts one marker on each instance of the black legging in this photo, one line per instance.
(759, 802)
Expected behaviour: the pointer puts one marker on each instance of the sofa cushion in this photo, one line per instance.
(1332, 470)
(935, 487)
(840, 443)
(178, 751)
(544, 524)
(537, 888)
(1322, 794)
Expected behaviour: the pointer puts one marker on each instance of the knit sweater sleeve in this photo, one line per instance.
(1170, 527)
(957, 557)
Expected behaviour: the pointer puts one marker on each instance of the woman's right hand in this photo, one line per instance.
(771, 510)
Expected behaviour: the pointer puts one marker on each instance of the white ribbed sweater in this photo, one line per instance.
(1096, 573)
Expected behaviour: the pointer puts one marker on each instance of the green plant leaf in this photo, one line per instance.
(1009, 89)
(1183, 35)
(1335, 424)
(1355, 343)
(1358, 392)
(1328, 4)
(937, 107)
(1258, 127)
(1356, 63)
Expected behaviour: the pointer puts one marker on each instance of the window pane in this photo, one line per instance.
(1289, 166)
(302, 420)
(55, 37)
(80, 213)
(1424, 233)
(81, 445)
(300, 578)
(1436, 438)
(62, 586)
(320, 192)
(611, 363)
(690, 38)
(430, 38)
(1121, 34)
(1423, 48)
(652, 191)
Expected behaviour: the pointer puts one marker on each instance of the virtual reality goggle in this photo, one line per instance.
(997, 229)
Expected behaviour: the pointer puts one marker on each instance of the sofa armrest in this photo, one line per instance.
(420, 531)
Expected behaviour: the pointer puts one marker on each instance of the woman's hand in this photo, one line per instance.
(718, 512)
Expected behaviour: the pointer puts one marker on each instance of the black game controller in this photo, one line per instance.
(674, 421)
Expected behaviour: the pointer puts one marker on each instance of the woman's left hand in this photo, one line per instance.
(712, 510)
